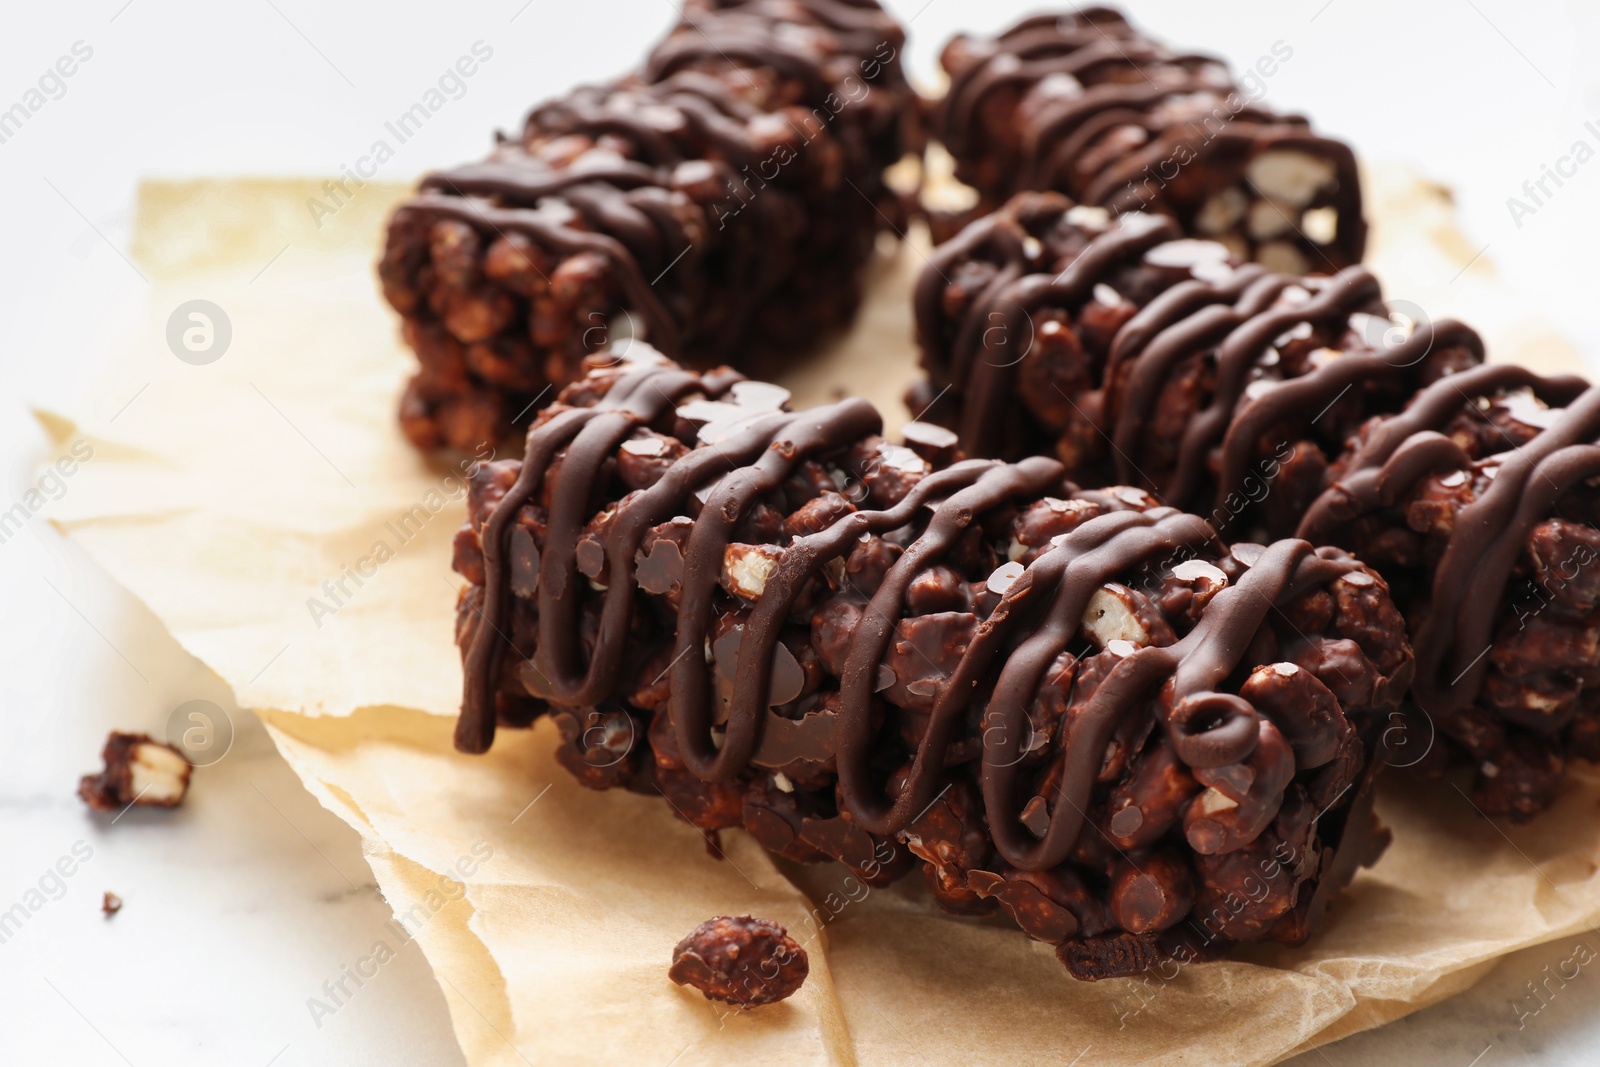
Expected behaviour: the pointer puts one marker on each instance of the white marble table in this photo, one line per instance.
(239, 907)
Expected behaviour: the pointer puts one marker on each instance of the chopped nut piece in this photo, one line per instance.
(1321, 224)
(740, 960)
(933, 443)
(1111, 617)
(1152, 894)
(1087, 215)
(1186, 254)
(1005, 576)
(1222, 212)
(1290, 177)
(110, 903)
(746, 568)
(1268, 220)
(138, 770)
(1210, 802)
(1282, 256)
(1206, 575)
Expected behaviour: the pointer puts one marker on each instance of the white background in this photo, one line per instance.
(241, 905)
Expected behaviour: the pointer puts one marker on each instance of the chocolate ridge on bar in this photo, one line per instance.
(721, 202)
(1479, 502)
(1085, 104)
(1140, 357)
(1102, 734)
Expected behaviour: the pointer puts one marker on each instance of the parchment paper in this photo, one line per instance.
(267, 510)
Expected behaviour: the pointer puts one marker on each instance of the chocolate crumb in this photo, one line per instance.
(138, 770)
(740, 960)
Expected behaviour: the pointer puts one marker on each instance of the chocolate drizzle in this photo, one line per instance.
(555, 232)
(748, 448)
(1051, 103)
(975, 362)
(728, 193)
(1241, 326)
(741, 29)
(1234, 318)
(1490, 533)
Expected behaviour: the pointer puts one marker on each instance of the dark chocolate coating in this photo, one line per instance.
(1211, 358)
(961, 354)
(722, 202)
(1085, 104)
(748, 450)
(1491, 664)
